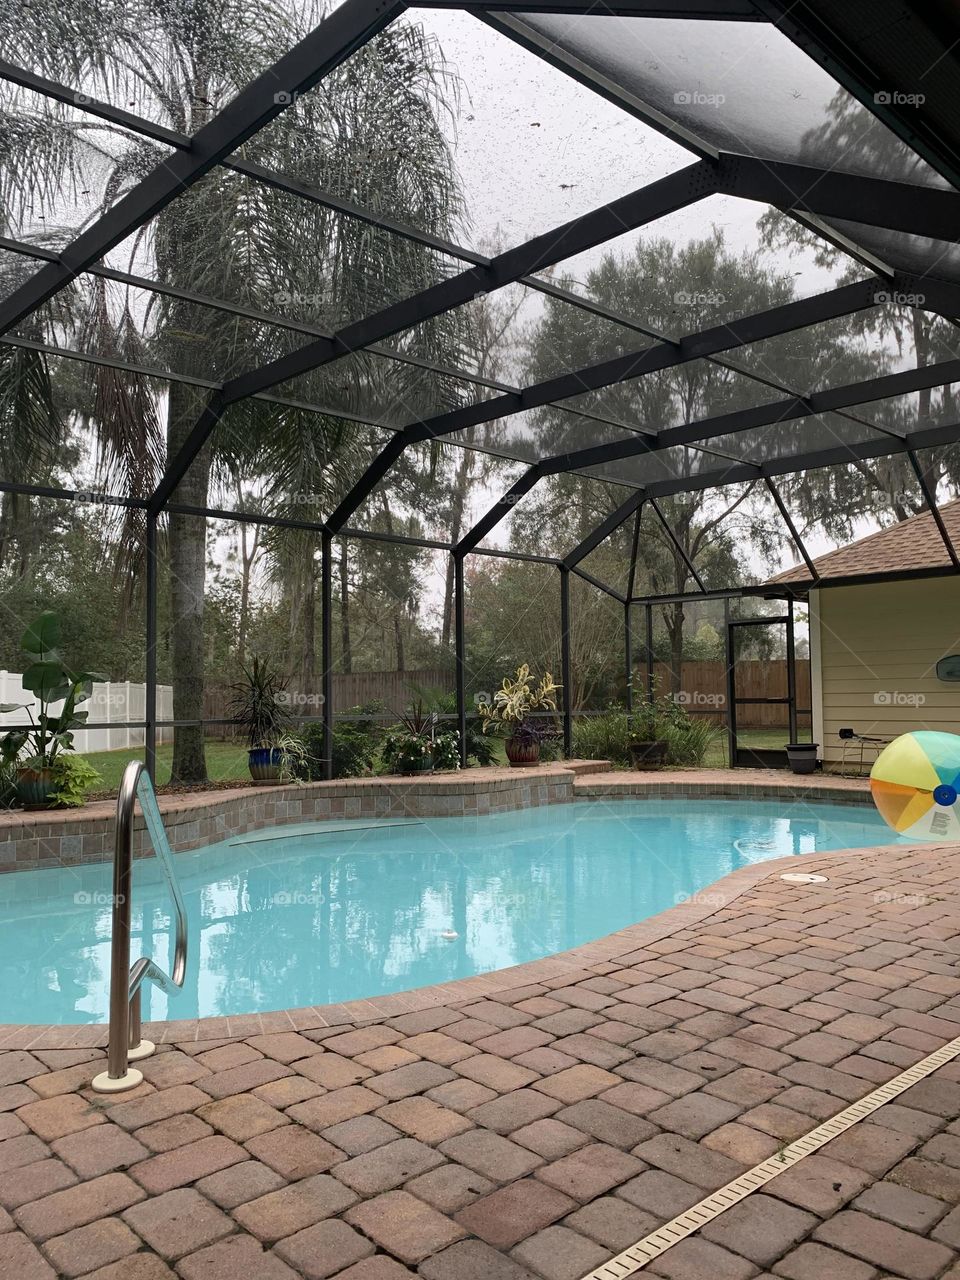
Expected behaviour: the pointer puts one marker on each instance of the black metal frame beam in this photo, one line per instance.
(677, 544)
(460, 652)
(604, 530)
(743, 473)
(651, 359)
(896, 206)
(946, 297)
(328, 200)
(251, 313)
(930, 498)
(765, 324)
(595, 582)
(785, 515)
(498, 511)
(647, 204)
(696, 10)
(706, 429)
(801, 587)
(632, 578)
(565, 665)
(345, 30)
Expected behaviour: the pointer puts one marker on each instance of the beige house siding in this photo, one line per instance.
(878, 648)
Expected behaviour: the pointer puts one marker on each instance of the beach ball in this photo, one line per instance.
(915, 782)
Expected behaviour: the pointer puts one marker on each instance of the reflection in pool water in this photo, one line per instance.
(298, 916)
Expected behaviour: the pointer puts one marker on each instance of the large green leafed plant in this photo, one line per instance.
(516, 701)
(51, 681)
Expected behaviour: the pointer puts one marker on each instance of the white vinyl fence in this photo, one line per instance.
(111, 701)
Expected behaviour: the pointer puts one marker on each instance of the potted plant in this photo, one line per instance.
(648, 745)
(294, 764)
(260, 706)
(408, 746)
(802, 756)
(37, 751)
(446, 749)
(512, 715)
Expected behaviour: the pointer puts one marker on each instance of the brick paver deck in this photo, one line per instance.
(536, 1131)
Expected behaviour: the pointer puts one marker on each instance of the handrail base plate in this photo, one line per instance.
(105, 1083)
(142, 1050)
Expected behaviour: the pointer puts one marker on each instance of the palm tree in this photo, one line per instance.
(372, 132)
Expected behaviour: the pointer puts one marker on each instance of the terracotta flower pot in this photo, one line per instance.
(522, 753)
(35, 787)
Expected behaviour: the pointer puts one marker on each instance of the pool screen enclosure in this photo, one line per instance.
(888, 200)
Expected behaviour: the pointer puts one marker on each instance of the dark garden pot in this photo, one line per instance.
(521, 754)
(35, 787)
(649, 755)
(802, 756)
(265, 763)
(412, 767)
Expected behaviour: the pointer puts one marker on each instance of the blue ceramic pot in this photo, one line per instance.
(265, 763)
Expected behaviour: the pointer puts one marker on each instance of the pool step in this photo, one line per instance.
(327, 827)
(586, 768)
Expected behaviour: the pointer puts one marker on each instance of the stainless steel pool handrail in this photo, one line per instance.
(125, 980)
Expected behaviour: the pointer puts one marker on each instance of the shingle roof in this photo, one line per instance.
(914, 543)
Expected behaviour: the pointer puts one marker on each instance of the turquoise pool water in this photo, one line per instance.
(311, 915)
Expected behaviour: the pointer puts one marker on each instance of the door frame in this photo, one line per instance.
(760, 757)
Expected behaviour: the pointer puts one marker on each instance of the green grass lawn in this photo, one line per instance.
(228, 760)
(225, 761)
(758, 739)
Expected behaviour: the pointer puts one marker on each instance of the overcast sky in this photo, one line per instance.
(534, 149)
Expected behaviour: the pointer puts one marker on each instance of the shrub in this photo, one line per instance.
(607, 736)
(689, 740)
(75, 776)
(356, 743)
(603, 737)
(479, 748)
(8, 772)
(446, 749)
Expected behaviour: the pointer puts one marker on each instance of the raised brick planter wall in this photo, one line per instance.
(733, 784)
(56, 839)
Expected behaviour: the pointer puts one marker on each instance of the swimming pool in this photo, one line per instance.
(295, 916)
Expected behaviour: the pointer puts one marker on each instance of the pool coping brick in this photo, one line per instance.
(679, 1049)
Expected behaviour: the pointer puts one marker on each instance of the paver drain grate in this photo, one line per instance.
(692, 1220)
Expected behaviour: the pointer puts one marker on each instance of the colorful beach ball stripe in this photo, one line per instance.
(915, 783)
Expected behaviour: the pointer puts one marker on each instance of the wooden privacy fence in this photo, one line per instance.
(395, 688)
(702, 689)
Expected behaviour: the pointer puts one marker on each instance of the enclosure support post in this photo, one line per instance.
(150, 692)
(459, 646)
(651, 674)
(565, 660)
(326, 646)
(731, 689)
(628, 656)
(791, 674)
